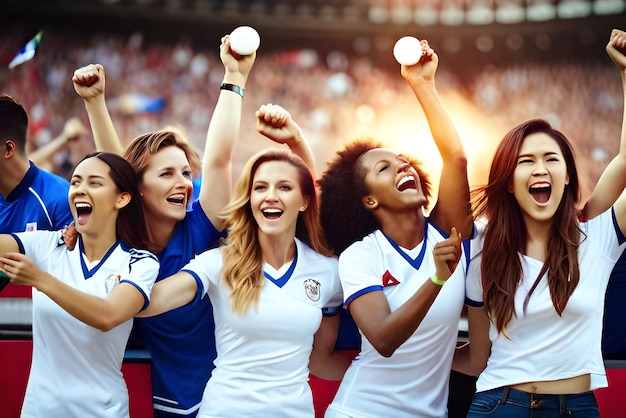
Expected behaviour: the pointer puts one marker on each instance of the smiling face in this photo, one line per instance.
(166, 185)
(94, 198)
(276, 198)
(391, 180)
(540, 177)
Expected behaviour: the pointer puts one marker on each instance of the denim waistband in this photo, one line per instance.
(537, 401)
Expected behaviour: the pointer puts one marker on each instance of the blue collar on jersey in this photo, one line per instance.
(86, 272)
(281, 281)
(24, 184)
(417, 262)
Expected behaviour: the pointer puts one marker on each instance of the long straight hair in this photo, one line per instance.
(243, 262)
(506, 236)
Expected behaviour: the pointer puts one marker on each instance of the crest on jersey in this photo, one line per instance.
(389, 280)
(312, 289)
(111, 282)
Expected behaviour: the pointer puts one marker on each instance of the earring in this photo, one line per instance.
(302, 209)
(370, 202)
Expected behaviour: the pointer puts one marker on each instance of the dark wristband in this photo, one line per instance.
(233, 88)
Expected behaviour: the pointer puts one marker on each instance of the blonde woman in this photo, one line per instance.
(274, 294)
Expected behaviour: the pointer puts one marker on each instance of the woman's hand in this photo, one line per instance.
(274, 122)
(89, 81)
(21, 270)
(70, 236)
(447, 255)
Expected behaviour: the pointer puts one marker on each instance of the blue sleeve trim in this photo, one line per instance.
(19, 243)
(362, 292)
(473, 303)
(201, 289)
(146, 300)
(620, 235)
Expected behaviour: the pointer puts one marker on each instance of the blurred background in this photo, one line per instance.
(330, 63)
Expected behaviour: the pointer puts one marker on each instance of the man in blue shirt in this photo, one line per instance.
(30, 198)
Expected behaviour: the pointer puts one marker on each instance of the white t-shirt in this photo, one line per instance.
(542, 345)
(413, 382)
(76, 369)
(262, 361)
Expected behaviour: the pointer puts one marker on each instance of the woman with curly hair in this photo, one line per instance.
(275, 292)
(398, 266)
(536, 289)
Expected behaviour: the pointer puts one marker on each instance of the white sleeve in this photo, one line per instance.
(603, 231)
(473, 280)
(143, 269)
(205, 268)
(357, 276)
(37, 244)
(473, 284)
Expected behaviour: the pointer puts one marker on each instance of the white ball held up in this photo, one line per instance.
(244, 40)
(407, 50)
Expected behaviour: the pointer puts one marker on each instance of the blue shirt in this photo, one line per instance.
(39, 202)
(182, 341)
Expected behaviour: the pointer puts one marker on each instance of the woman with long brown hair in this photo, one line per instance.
(536, 287)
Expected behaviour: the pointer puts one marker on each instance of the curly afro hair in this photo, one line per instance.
(342, 186)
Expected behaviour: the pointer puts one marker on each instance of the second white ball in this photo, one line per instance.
(244, 40)
(407, 50)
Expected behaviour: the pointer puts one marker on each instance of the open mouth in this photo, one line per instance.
(541, 194)
(272, 213)
(83, 212)
(177, 199)
(406, 183)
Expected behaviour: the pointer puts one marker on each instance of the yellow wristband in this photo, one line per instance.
(436, 280)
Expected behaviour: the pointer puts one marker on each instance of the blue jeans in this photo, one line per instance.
(510, 403)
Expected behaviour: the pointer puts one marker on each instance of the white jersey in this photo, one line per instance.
(413, 382)
(262, 361)
(76, 369)
(542, 345)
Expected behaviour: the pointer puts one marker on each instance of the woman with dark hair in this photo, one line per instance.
(397, 265)
(536, 288)
(275, 295)
(84, 298)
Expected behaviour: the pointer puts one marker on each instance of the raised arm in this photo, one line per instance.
(613, 178)
(41, 156)
(89, 84)
(102, 313)
(453, 201)
(223, 129)
(274, 122)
